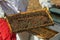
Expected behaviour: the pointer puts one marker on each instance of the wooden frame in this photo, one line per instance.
(20, 22)
(43, 33)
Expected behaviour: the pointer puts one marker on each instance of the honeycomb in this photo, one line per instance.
(29, 20)
(43, 32)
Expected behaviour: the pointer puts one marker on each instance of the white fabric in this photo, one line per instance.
(13, 6)
(45, 3)
(19, 4)
(23, 36)
(1, 12)
(18, 37)
(36, 38)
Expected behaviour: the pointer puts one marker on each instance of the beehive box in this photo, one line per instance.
(29, 20)
(43, 33)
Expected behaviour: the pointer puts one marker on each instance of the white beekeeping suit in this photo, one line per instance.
(13, 6)
(45, 3)
(1, 12)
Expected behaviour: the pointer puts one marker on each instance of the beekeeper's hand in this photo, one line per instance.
(45, 3)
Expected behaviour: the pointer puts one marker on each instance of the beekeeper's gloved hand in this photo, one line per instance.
(45, 3)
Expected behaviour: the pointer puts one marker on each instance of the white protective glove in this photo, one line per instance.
(45, 3)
